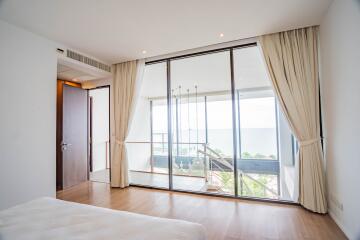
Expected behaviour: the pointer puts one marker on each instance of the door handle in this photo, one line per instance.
(64, 145)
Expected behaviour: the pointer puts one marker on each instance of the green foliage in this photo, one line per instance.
(227, 180)
(259, 156)
(247, 155)
(255, 189)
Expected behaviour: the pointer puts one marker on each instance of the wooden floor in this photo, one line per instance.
(154, 179)
(223, 218)
(162, 181)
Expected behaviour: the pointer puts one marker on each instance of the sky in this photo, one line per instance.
(254, 113)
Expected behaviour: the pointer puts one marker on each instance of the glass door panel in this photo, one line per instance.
(258, 131)
(258, 163)
(147, 142)
(202, 124)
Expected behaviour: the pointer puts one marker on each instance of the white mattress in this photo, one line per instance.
(49, 218)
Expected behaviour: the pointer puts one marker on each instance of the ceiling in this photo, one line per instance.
(72, 74)
(119, 30)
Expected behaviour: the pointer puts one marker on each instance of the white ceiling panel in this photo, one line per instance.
(119, 30)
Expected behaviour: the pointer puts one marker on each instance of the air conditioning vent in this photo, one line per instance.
(81, 58)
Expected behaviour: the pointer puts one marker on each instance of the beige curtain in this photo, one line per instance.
(124, 81)
(292, 61)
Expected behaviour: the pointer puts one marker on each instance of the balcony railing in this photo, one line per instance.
(159, 159)
(205, 162)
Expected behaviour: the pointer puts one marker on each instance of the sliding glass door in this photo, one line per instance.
(210, 123)
(258, 162)
(147, 142)
(202, 136)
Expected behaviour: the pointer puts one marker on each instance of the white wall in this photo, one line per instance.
(28, 116)
(340, 82)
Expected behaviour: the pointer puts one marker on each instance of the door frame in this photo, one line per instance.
(90, 147)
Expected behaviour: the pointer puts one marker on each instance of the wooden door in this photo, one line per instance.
(73, 136)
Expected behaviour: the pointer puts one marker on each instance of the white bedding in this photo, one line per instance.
(49, 218)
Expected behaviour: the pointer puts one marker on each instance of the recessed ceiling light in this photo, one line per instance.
(75, 79)
(144, 51)
(221, 35)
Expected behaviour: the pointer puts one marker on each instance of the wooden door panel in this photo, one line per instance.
(74, 136)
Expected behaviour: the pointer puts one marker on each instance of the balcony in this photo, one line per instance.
(207, 172)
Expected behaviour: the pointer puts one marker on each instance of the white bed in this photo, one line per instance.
(49, 218)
